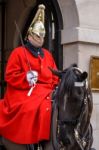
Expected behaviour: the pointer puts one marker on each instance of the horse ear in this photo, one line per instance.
(74, 65)
(84, 75)
(56, 72)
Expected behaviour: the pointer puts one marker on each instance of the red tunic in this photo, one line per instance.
(26, 119)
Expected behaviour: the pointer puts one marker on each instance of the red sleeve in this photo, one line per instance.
(15, 74)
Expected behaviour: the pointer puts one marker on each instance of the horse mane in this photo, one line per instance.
(66, 84)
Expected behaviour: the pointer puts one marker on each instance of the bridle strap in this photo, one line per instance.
(81, 141)
(68, 121)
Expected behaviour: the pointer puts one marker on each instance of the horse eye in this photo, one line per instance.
(78, 92)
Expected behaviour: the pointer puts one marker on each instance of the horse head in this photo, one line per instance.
(74, 102)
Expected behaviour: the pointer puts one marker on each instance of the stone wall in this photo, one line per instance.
(80, 39)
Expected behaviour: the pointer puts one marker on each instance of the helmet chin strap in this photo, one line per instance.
(34, 42)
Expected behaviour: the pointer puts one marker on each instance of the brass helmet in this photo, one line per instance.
(37, 26)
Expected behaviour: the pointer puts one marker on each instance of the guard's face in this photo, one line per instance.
(36, 40)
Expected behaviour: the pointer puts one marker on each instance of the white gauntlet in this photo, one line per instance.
(32, 77)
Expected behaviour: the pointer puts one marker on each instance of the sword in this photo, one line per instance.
(28, 62)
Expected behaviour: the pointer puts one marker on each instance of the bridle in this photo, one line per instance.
(82, 141)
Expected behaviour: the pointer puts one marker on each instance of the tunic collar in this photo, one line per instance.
(34, 50)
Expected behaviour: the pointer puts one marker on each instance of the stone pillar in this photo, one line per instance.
(80, 39)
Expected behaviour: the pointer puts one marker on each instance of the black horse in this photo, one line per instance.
(72, 109)
(73, 104)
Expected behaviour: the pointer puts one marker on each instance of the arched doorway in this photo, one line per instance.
(54, 25)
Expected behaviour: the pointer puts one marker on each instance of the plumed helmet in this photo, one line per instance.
(37, 26)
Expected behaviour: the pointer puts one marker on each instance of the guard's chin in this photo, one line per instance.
(38, 44)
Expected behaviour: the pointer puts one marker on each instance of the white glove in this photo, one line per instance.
(32, 77)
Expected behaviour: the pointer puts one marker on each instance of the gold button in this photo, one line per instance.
(47, 97)
(47, 109)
